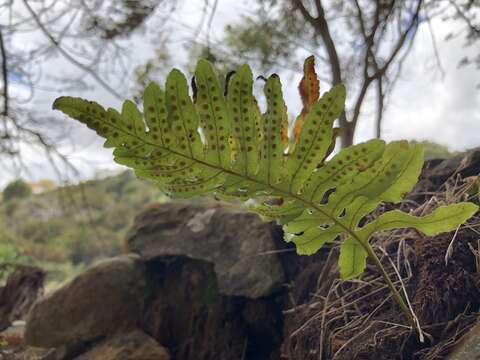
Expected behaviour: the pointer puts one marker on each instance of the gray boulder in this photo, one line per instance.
(238, 243)
(102, 300)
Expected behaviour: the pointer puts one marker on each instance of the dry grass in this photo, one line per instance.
(342, 314)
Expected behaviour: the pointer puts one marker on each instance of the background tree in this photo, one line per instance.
(363, 44)
(467, 12)
(17, 189)
(360, 43)
(91, 35)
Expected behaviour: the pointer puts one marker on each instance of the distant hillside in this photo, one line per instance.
(72, 226)
(436, 151)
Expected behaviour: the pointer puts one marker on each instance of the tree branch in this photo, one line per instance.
(322, 29)
(401, 41)
(370, 58)
(4, 75)
(380, 104)
(67, 55)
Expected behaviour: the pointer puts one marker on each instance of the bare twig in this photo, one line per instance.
(67, 56)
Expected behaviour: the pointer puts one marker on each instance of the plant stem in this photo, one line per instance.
(395, 293)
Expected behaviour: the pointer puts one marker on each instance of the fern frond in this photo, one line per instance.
(226, 146)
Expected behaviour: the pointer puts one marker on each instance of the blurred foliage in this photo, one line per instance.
(269, 41)
(70, 227)
(118, 18)
(16, 190)
(436, 151)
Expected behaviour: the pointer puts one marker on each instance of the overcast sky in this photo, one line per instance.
(424, 106)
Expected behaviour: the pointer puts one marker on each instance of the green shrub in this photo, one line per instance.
(17, 189)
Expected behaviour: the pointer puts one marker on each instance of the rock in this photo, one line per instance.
(23, 287)
(135, 345)
(470, 164)
(466, 165)
(468, 347)
(444, 169)
(102, 300)
(238, 243)
(186, 313)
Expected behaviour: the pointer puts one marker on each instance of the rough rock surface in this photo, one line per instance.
(102, 300)
(134, 345)
(238, 243)
(466, 165)
(23, 287)
(469, 347)
(186, 313)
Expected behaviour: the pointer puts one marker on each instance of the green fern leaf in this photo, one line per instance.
(445, 218)
(226, 146)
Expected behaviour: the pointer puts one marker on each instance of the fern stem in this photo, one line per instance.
(395, 293)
